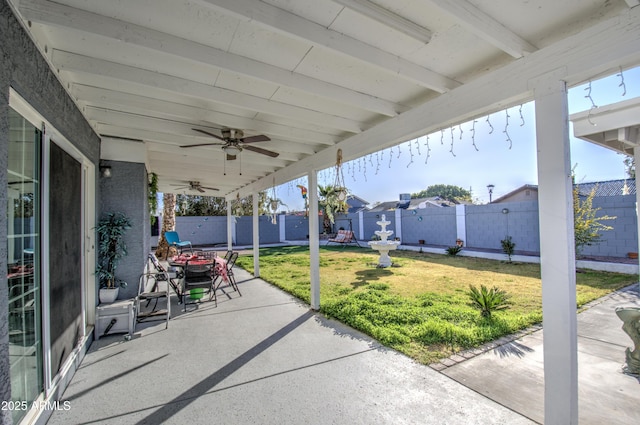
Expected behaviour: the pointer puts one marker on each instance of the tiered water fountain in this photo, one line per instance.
(383, 245)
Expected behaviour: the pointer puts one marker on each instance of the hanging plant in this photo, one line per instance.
(153, 196)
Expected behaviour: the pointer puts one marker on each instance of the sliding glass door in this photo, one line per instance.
(24, 265)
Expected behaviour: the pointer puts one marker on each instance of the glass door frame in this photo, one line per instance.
(49, 134)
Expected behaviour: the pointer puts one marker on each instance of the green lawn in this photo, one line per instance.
(420, 305)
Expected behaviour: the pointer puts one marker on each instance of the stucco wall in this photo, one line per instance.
(126, 192)
(23, 68)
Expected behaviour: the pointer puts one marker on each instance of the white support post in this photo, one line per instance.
(314, 239)
(282, 229)
(557, 253)
(636, 156)
(230, 226)
(461, 223)
(256, 234)
(361, 225)
(398, 229)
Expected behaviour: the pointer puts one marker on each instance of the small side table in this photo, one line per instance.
(117, 317)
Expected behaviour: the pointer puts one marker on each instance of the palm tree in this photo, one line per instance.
(168, 222)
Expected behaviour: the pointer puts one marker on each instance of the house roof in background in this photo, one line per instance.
(434, 201)
(602, 188)
(608, 188)
(515, 191)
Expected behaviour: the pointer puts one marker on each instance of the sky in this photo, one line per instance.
(498, 150)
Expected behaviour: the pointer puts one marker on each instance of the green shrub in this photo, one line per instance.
(453, 250)
(508, 246)
(488, 300)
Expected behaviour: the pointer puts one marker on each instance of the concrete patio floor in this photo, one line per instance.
(265, 358)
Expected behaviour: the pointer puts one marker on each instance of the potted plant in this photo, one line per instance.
(111, 249)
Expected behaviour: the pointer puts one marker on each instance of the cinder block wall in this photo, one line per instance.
(202, 230)
(436, 226)
(297, 227)
(487, 225)
(624, 236)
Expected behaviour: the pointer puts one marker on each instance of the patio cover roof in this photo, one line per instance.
(616, 126)
(312, 75)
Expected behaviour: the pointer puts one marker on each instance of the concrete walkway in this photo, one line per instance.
(265, 358)
(512, 374)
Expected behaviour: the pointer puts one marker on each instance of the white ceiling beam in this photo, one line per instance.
(602, 48)
(485, 27)
(281, 21)
(388, 18)
(127, 102)
(66, 61)
(56, 14)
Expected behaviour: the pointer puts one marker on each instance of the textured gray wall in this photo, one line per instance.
(126, 192)
(624, 236)
(436, 226)
(23, 68)
(486, 225)
(202, 230)
(297, 228)
(269, 233)
(370, 226)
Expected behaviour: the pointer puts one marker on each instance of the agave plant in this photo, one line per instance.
(488, 300)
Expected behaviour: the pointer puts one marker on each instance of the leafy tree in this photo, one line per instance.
(197, 205)
(587, 226)
(630, 164)
(244, 206)
(445, 191)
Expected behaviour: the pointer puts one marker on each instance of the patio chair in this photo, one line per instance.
(173, 239)
(163, 274)
(152, 287)
(198, 274)
(219, 278)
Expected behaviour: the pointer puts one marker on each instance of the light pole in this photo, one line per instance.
(490, 187)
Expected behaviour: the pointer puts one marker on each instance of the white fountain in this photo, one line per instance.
(384, 245)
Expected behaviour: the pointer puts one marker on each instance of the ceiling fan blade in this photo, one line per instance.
(253, 139)
(202, 144)
(262, 151)
(209, 188)
(199, 189)
(208, 133)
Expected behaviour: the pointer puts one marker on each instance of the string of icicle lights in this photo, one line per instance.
(457, 137)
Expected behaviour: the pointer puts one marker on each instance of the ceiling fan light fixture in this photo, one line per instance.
(231, 150)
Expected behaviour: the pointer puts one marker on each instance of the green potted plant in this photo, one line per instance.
(111, 249)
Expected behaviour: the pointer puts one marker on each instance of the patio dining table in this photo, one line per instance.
(219, 264)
